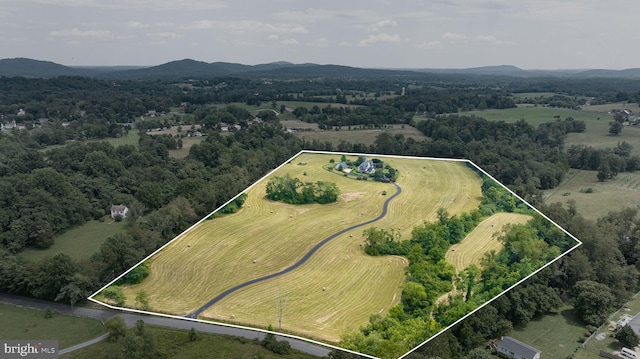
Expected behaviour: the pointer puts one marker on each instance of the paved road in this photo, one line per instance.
(385, 207)
(85, 344)
(186, 324)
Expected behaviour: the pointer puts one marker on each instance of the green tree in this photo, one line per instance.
(604, 171)
(193, 335)
(594, 301)
(115, 294)
(116, 327)
(142, 300)
(615, 128)
(627, 336)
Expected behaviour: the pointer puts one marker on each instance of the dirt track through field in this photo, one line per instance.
(301, 261)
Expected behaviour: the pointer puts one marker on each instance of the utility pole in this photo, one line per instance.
(281, 302)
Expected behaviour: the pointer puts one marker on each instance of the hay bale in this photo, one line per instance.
(324, 289)
(189, 245)
(232, 316)
(254, 261)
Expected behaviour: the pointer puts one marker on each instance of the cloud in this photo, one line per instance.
(311, 15)
(166, 35)
(382, 24)
(87, 34)
(244, 26)
(137, 25)
(290, 42)
(321, 42)
(344, 44)
(380, 38)
(430, 45)
(454, 36)
(273, 37)
(134, 4)
(491, 39)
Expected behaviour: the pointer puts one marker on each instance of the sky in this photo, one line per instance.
(530, 34)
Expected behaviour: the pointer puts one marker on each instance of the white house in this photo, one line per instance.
(367, 167)
(514, 349)
(119, 210)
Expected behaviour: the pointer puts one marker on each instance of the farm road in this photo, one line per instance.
(130, 319)
(306, 257)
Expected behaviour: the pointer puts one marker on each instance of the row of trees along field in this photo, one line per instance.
(419, 315)
(596, 278)
(45, 193)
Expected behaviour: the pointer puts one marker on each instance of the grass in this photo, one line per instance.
(481, 240)
(596, 134)
(366, 136)
(29, 324)
(78, 242)
(533, 94)
(612, 195)
(558, 335)
(175, 344)
(538, 115)
(609, 343)
(219, 253)
(130, 138)
(608, 107)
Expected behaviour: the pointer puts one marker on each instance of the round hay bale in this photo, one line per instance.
(189, 245)
(254, 261)
(351, 235)
(232, 316)
(324, 289)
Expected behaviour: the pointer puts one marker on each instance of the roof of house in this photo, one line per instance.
(516, 346)
(634, 323)
(118, 207)
(341, 165)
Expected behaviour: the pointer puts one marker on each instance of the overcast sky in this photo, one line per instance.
(531, 34)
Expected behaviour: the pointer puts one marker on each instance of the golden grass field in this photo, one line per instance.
(219, 254)
(481, 240)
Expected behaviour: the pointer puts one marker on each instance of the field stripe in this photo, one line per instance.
(385, 207)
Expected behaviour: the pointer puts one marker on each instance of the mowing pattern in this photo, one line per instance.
(301, 261)
(266, 237)
(481, 240)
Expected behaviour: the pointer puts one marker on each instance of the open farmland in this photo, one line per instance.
(594, 199)
(596, 134)
(481, 240)
(355, 135)
(219, 254)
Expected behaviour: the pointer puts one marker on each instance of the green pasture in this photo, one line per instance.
(604, 197)
(596, 134)
(79, 242)
(130, 138)
(19, 323)
(355, 135)
(558, 335)
(538, 115)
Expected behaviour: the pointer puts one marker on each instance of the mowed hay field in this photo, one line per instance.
(481, 240)
(219, 254)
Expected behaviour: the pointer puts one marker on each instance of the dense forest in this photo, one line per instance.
(46, 190)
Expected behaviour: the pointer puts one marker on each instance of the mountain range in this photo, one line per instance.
(192, 69)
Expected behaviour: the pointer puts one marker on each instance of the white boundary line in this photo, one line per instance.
(579, 243)
(91, 297)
